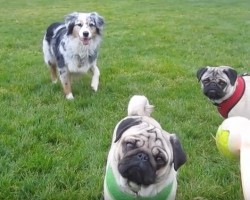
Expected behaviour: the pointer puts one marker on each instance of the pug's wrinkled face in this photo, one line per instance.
(145, 153)
(217, 83)
(144, 156)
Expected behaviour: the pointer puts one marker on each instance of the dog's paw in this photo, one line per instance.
(95, 83)
(94, 87)
(70, 96)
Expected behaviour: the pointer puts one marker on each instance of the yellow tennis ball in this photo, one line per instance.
(222, 138)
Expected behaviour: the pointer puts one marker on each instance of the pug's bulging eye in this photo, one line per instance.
(160, 161)
(130, 145)
(206, 81)
(222, 83)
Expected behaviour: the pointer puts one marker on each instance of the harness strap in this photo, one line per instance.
(225, 107)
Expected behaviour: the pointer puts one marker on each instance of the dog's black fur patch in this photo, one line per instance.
(93, 57)
(54, 38)
(70, 28)
(50, 31)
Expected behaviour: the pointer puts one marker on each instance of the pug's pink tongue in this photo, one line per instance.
(85, 41)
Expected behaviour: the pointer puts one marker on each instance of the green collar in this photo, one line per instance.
(117, 194)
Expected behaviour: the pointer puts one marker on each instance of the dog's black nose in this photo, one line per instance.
(85, 33)
(142, 157)
(212, 84)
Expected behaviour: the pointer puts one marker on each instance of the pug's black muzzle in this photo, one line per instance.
(137, 168)
(213, 91)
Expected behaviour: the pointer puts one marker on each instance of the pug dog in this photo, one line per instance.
(143, 159)
(226, 89)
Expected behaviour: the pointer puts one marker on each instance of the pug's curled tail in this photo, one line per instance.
(139, 106)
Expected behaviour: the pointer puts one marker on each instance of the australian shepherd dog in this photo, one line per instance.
(71, 47)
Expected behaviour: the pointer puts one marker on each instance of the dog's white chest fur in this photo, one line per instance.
(77, 56)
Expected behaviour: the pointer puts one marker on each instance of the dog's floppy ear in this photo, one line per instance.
(99, 21)
(200, 73)
(70, 22)
(124, 125)
(231, 74)
(178, 152)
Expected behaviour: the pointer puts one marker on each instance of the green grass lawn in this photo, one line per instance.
(51, 148)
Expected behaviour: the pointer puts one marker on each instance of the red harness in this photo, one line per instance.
(225, 107)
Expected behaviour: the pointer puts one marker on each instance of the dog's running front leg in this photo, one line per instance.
(95, 76)
(66, 82)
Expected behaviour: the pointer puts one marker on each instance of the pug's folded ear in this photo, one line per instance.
(200, 73)
(125, 125)
(231, 74)
(179, 155)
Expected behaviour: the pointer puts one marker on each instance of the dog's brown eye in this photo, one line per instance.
(80, 25)
(91, 24)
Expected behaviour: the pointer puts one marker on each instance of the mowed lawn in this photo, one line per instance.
(51, 148)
